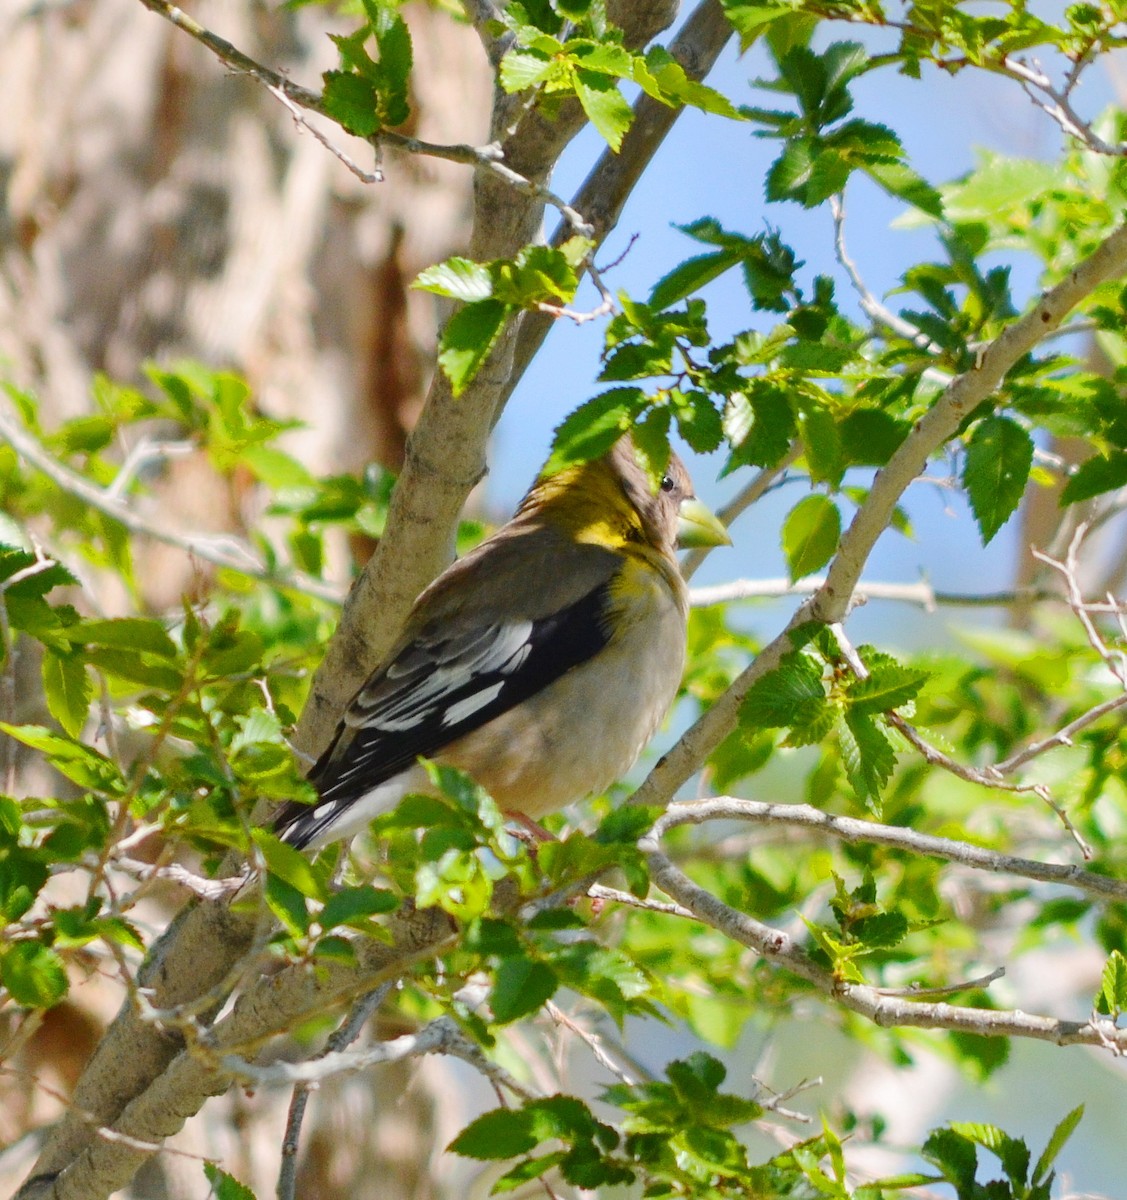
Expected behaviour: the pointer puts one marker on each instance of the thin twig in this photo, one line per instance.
(341, 1038)
(222, 550)
(885, 1011)
(855, 831)
(870, 305)
(300, 119)
(921, 594)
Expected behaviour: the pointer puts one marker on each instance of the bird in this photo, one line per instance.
(540, 663)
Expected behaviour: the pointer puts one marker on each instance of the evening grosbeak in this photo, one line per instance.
(540, 663)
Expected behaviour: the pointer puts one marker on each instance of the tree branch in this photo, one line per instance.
(833, 598)
(858, 832)
(224, 550)
(870, 1002)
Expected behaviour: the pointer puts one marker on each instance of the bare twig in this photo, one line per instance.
(1056, 102)
(920, 593)
(870, 305)
(859, 832)
(376, 176)
(224, 550)
(952, 989)
(348, 1032)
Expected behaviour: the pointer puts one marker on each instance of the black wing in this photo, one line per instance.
(440, 687)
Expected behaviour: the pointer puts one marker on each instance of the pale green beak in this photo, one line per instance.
(699, 526)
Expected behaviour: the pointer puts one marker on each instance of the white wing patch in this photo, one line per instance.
(470, 704)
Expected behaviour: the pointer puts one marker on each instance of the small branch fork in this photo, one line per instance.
(875, 1004)
(295, 97)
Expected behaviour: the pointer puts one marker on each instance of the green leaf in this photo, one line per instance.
(288, 864)
(522, 69)
(783, 695)
(1112, 996)
(68, 690)
(466, 340)
(690, 276)
(1011, 1152)
(888, 686)
(1103, 473)
(810, 535)
(459, 278)
(224, 1186)
(126, 633)
(501, 1133)
(750, 20)
(867, 755)
(351, 102)
(351, 905)
(33, 974)
(79, 763)
(760, 425)
(955, 1156)
(521, 986)
(594, 427)
(394, 41)
(1060, 1135)
(699, 422)
(605, 106)
(999, 456)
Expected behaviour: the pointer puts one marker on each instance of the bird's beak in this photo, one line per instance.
(699, 526)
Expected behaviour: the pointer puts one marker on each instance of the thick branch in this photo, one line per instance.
(832, 600)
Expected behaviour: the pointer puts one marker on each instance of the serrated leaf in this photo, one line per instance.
(999, 455)
(466, 340)
(1011, 1152)
(459, 278)
(68, 690)
(396, 55)
(288, 864)
(521, 68)
(521, 986)
(224, 1186)
(759, 425)
(501, 1133)
(690, 276)
(1102, 473)
(594, 427)
(605, 106)
(699, 422)
(351, 102)
(790, 172)
(867, 755)
(780, 696)
(888, 686)
(810, 535)
(1060, 1135)
(352, 904)
(1112, 996)
(821, 441)
(79, 763)
(33, 974)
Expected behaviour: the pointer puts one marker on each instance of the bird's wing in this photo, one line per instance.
(444, 683)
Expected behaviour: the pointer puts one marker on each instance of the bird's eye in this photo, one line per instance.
(667, 484)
